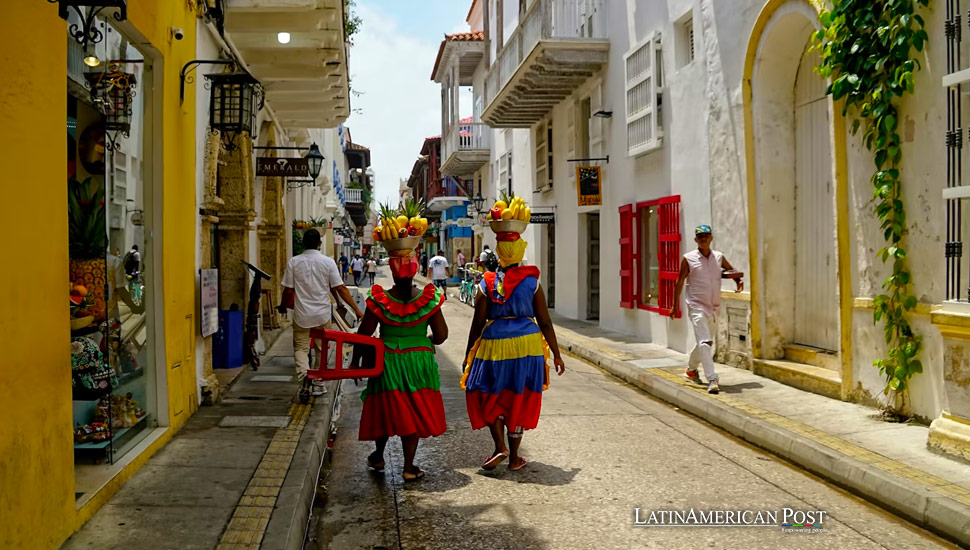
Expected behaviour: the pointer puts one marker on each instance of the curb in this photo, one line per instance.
(287, 525)
(944, 516)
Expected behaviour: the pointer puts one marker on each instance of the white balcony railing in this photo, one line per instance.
(467, 136)
(354, 196)
(560, 20)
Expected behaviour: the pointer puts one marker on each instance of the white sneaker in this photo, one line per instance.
(317, 390)
(713, 387)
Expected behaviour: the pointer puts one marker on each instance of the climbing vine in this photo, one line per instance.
(866, 51)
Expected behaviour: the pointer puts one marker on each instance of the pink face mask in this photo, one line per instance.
(404, 268)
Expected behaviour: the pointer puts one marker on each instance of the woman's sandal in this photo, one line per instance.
(514, 467)
(493, 461)
(412, 476)
(377, 466)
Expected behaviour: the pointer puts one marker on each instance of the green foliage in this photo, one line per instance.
(866, 51)
(352, 21)
(86, 228)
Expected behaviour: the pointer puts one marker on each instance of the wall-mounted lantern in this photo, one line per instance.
(234, 100)
(87, 32)
(112, 92)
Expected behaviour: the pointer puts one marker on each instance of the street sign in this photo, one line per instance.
(543, 217)
(282, 167)
(588, 180)
(210, 301)
(465, 222)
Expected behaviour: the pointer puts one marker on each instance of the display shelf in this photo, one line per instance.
(116, 435)
(128, 377)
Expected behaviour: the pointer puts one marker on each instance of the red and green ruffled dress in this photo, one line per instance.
(406, 398)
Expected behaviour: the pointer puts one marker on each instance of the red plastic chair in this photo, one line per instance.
(337, 371)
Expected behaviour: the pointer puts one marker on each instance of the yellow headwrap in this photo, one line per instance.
(510, 252)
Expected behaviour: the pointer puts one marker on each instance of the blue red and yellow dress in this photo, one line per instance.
(406, 398)
(507, 372)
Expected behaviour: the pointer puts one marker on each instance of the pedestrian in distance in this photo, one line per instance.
(405, 400)
(371, 269)
(344, 266)
(702, 270)
(133, 261)
(488, 259)
(357, 265)
(461, 259)
(509, 343)
(311, 277)
(439, 271)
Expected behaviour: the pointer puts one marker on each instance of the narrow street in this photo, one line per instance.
(602, 449)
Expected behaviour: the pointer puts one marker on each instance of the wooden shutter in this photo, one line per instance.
(669, 251)
(628, 255)
(642, 88)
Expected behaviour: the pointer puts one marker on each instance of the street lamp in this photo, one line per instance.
(314, 161)
(234, 100)
(479, 201)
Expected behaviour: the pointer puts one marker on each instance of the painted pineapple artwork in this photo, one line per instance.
(87, 234)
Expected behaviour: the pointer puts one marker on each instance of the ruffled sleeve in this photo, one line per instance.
(405, 314)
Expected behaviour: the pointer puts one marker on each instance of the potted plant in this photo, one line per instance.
(87, 237)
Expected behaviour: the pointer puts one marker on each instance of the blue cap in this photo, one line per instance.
(702, 229)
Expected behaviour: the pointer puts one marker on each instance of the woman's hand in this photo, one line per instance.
(560, 366)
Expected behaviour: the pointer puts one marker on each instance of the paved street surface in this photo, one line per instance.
(601, 450)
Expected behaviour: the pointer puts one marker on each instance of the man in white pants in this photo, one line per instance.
(313, 276)
(703, 270)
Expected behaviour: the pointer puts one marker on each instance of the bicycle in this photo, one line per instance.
(135, 288)
(470, 277)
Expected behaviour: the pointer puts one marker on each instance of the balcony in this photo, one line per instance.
(466, 148)
(354, 196)
(444, 194)
(557, 46)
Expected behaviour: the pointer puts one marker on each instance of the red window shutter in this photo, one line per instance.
(626, 256)
(669, 253)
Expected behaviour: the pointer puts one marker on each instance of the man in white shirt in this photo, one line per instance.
(357, 264)
(703, 270)
(313, 277)
(438, 271)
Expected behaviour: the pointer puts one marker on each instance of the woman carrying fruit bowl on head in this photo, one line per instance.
(509, 343)
(405, 400)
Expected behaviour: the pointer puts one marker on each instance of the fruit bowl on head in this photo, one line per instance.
(401, 243)
(508, 226)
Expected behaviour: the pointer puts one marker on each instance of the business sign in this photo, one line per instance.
(465, 222)
(543, 217)
(338, 239)
(209, 301)
(588, 185)
(282, 167)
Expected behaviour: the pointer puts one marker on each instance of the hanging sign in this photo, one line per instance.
(338, 239)
(543, 217)
(465, 222)
(282, 167)
(588, 185)
(209, 301)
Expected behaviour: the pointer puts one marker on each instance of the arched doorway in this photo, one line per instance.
(793, 235)
(816, 319)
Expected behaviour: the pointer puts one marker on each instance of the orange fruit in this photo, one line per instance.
(80, 290)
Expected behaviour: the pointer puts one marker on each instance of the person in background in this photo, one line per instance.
(133, 261)
(461, 259)
(702, 269)
(312, 276)
(371, 269)
(344, 266)
(488, 259)
(439, 271)
(357, 264)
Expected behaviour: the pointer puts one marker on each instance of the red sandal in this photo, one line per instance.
(493, 461)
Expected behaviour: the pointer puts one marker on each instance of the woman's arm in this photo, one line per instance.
(367, 327)
(548, 330)
(478, 322)
(439, 329)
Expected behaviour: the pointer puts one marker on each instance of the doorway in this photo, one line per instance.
(816, 299)
(551, 266)
(593, 266)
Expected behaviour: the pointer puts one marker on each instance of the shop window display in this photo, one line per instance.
(109, 279)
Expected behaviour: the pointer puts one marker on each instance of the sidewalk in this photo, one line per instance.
(888, 464)
(239, 475)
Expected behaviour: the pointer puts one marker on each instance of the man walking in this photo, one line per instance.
(371, 270)
(488, 259)
(461, 259)
(703, 269)
(358, 266)
(344, 266)
(313, 276)
(438, 271)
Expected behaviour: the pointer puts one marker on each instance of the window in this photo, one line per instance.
(543, 155)
(505, 172)
(649, 254)
(644, 96)
(685, 41)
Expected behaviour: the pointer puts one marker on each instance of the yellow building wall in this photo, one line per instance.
(37, 505)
